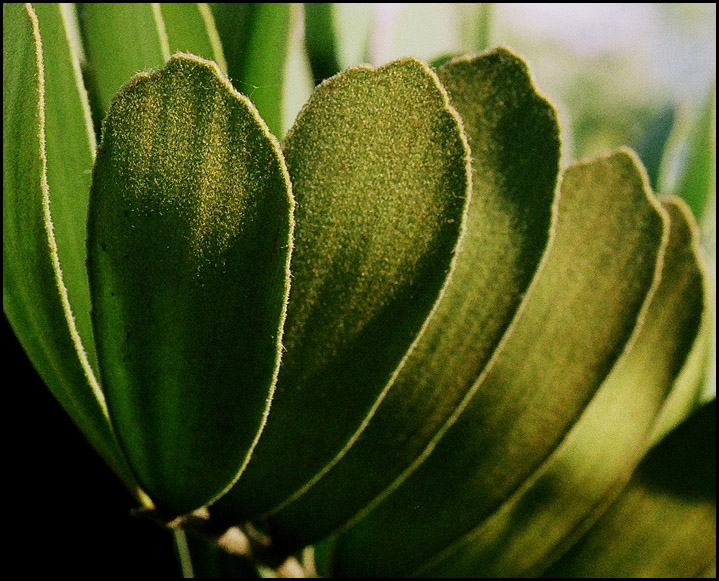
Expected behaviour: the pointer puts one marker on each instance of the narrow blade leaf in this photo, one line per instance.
(321, 39)
(698, 179)
(189, 238)
(190, 27)
(255, 37)
(120, 39)
(46, 152)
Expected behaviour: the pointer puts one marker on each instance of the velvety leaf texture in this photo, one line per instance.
(379, 169)
(399, 343)
(545, 515)
(189, 240)
(579, 314)
(513, 135)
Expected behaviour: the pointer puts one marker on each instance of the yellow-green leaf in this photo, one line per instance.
(664, 522)
(564, 497)
(575, 322)
(189, 241)
(379, 166)
(513, 135)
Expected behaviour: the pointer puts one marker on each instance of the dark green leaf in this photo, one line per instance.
(189, 239)
(379, 167)
(575, 322)
(321, 39)
(514, 136)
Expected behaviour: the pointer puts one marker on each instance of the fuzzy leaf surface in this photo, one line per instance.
(546, 514)
(379, 167)
(189, 240)
(513, 135)
(578, 315)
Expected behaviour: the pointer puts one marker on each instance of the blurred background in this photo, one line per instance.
(619, 74)
(642, 75)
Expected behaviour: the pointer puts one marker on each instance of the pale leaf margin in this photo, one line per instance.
(77, 341)
(435, 306)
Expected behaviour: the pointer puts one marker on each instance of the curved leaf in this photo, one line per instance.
(47, 154)
(120, 39)
(321, 39)
(379, 167)
(575, 322)
(190, 27)
(255, 37)
(189, 241)
(586, 472)
(664, 523)
(514, 136)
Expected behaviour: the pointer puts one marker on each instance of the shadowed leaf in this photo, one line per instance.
(380, 171)
(664, 522)
(189, 237)
(576, 320)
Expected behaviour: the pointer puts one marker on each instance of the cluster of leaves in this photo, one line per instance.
(398, 330)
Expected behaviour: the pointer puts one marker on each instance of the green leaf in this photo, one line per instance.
(513, 134)
(664, 523)
(120, 39)
(70, 149)
(583, 476)
(321, 39)
(379, 167)
(189, 242)
(475, 21)
(698, 179)
(47, 154)
(190, 27)
(575, 322)
(652, 143)
(255, 37)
